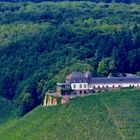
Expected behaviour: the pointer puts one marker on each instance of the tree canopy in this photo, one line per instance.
(42, 42)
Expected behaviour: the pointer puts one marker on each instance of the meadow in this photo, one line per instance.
(109, 116)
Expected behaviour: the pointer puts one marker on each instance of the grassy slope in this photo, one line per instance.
(110, 116)
(7, 111)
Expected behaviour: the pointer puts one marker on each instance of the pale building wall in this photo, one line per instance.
(86, 86)
(91, 86)
(79, 86)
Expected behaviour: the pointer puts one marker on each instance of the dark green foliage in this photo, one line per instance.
(7, 111)
(102, 68)
(138, 73)
(97, 1)
(106, 66)
(41, 43)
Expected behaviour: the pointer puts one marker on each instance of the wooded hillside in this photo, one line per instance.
(41, 43)
(96, 1)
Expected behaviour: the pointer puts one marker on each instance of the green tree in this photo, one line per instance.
(138, 73)
(102, 68)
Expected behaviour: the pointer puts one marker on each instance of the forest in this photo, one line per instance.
(40, 43)
(96, 1)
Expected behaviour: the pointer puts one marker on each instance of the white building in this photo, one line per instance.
(81, 83)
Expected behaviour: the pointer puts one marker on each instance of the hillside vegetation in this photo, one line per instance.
(41, 43)
(96, 1)
(109, 116)
(7, 111)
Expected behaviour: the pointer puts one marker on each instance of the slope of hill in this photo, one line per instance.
(109, 116)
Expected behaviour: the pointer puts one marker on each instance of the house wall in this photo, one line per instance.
(79, 86)
(83, 88)
(92, 86)
(86, 86)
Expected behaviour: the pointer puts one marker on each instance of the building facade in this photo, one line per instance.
(79, 83)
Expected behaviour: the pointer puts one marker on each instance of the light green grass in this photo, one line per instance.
(110, 116)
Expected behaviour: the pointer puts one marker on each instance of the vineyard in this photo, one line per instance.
(110, 116)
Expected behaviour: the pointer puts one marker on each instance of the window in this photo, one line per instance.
(107, 86)
(80, 85)
(98, 86)
(113, 86)
(74, 86)
(85, 85)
